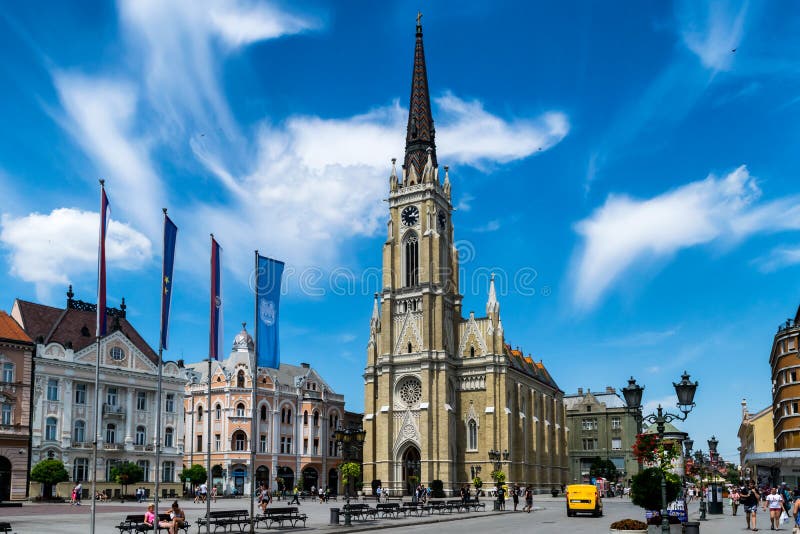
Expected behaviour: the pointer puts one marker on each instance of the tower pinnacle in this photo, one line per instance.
(420, 132)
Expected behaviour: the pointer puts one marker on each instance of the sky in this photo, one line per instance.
(627, 169)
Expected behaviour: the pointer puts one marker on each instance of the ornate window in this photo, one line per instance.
(472, 435)
(50, 429)
(80, 393)
(111, 433)
(79, 432)
(111, 396)
(410, 391)
(218, 415)
(411, 259)
(263, 413)
(8, 372)
(168, 437)
(199, 413)
(145, 466)
(52, 389)
(240, 410)
(305, 418)
(316, 419)
(80, 468)
(170, 403)
(168, 472)
(239, 441)
(5, 415)
(240, 379)
(117, 354)
(141, 401)
(141, 435)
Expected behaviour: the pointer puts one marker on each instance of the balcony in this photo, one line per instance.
(113, 410)
(8, 387)
(81, 444)
(113, 446)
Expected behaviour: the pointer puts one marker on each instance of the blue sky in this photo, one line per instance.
(630, 178)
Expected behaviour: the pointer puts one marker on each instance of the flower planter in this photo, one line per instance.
(613, 530)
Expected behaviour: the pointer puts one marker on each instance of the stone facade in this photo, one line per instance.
(297, 413)
(16, 366)
(600, 426)
(442, 390)
(63, 399)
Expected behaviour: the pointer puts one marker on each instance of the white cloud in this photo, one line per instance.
(624, 231)
(241, 23)
(669, 403)
(713, 30)
(465, 202)
(100, 116)
(779, 258)
(49, 249)
(490, 226)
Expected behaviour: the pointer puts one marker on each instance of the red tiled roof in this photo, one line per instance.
(526, 365)
(10, 330)
(63, 326)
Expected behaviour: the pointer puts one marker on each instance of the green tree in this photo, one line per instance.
(603, 468)
(49, 472)
(499, 477)
(477, 482)
(350, 472)
(126, 473)
(646, 488)
(732, 474)
(195, 475)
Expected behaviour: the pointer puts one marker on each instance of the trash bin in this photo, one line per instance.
(691, 527)
(496, 506)
(334, 516)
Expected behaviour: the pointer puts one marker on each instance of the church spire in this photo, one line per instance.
(420, 131)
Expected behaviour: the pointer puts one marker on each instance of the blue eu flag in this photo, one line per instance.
(170, 233)
(268, 296)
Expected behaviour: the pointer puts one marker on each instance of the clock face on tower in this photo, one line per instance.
(441, 221)
(410, 216)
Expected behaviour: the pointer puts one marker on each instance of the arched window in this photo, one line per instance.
(141, 435)
(411, 259)
(263, 413)
(409, 347)
(305, 418)
(240, 379)
(240, 410)
(472, 443)
(111, 433)
(169, 437)
(50, 429)
(8, 372)
(199, 413)
(79, 432)
(472, 351)
(239, 441)
(316, 419)
(218, 415)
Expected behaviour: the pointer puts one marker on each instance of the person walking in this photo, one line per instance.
(515, 496)
(735, 500)
(774, 501)
(78, 491)
(501, 497)
(295, 496)
(528, 499)
(750, 499)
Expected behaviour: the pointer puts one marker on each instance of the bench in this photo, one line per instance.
(281, 515)
(5, 527)
(474, 504)
(359, 511)
(414, 508)
(135, 523)
(224, 519)
(388, 509)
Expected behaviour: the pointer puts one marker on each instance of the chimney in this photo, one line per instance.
(610, 389)
(305, 365)
(580, 391)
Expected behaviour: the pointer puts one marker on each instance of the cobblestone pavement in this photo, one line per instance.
(548, 517)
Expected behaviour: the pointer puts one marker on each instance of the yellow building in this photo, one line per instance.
(441, 390)
(755, 436)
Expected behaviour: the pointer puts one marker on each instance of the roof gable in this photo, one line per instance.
(10, 330)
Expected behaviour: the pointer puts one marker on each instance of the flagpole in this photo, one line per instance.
(97, 366)
(158, 391)
(254, 410)
(211, 351)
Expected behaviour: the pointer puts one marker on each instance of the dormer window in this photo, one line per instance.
(240, 379)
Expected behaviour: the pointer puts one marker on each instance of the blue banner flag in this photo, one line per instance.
(101, 262)
(170, 233)
(268, 295)
(214, 334)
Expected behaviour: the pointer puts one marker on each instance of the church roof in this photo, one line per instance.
(75, 324)
(420, 132)
(526, 365)
(10, 330)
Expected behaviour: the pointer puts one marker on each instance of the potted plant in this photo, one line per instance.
(630, 526)
(478, 483)
(646, 486)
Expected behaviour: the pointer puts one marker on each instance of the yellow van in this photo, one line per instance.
(584, 498)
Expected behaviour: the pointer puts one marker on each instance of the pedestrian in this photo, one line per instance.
(796, 513)
(203, 492)
(774, 501)
(501, 497)
(214, 493)
(528, 500)
(378, 492)
(321, 495)
(515, 496)
(295, 496)
(735, 500)
(750, 499)
(78, 490)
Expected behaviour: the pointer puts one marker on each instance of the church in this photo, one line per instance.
(445, 397)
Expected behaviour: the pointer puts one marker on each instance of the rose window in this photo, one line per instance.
(410, 391)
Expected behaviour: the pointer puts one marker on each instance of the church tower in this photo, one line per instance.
(432, 378)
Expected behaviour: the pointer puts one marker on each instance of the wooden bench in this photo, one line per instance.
(359, 511)
(281, 515)
(409, 508)
(135, 523)
(5, 527)
(224, 519)
(474, 504)
(388, 509)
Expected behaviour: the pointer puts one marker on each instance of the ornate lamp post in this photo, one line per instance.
(497, 458)
(699, 460)
(351, 440)
(714, 505)
(685, 391)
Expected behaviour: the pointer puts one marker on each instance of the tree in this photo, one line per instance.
(477, 482)
(350, 471)
(49, 472)
(126, 473)
(732, 474)
(646, 488)
(603, 468)
(499, 477)
(195, 475)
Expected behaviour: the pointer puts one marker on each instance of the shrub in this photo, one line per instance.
(629, 524)
(646, 488)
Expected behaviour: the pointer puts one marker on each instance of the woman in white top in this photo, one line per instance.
(775, 503)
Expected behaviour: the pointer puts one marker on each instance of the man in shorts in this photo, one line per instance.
(750, 499)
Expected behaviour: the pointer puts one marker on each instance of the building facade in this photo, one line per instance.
(64, 393)
(756, 437)
(297, 413)
(600, 426)
(16, 366)
(441, 390)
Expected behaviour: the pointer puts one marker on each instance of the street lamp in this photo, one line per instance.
(685, 391)
(351, 440)
(699, 460)
(688, 444)
(714, 506)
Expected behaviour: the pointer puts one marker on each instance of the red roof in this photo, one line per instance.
(10, 330)
(75, 326)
